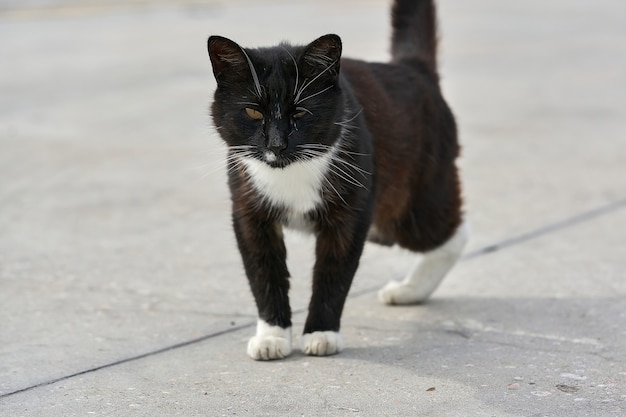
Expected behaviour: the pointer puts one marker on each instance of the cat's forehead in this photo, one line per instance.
(277, 71)
(275, 59)
(283, 55)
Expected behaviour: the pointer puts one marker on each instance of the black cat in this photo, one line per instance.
(344, 149)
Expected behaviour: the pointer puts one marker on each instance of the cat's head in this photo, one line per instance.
(280, 104)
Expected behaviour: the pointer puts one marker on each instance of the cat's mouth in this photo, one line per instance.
(270, 157)
(286, 157)
(276, 161)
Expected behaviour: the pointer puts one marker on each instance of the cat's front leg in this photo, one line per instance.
(264, 256)
(338, 250)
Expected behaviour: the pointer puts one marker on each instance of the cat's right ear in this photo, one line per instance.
(226, 57)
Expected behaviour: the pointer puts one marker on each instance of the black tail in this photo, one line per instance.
(414, 32)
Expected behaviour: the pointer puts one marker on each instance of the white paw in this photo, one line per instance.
(270, 342)
(427, 273)
(400, 293)
(265, 348)
(322, 343)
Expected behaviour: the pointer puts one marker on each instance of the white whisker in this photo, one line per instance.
(295, 64)
(346, 123)
(255, 77)
(334, 167)
(346, 176)
(304, 86)
(313, 95)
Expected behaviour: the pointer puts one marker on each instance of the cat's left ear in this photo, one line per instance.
(226, 56)
(323, 55)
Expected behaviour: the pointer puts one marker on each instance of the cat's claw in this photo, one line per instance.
(265, 348)
(322, 343)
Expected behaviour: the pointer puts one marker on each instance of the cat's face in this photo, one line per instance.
(278, 105)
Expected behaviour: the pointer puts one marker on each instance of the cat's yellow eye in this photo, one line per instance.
(300, 114)
(254, 114)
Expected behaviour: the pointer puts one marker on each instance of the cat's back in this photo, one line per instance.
(404, 108)
(415, 146)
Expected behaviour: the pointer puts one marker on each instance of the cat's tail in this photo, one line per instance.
(414, 35)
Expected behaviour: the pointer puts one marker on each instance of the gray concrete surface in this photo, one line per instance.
(121, 289)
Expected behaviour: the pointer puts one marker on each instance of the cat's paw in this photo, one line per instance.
(265, 348)
(270, 342)
(321, 343)
(399, 293)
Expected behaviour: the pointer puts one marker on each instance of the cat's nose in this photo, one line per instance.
(276, 143)
(277, 148)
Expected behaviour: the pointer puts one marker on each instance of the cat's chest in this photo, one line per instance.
(295, 189)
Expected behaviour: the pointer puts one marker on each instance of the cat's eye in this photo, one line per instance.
(254, 114)
(300, 114)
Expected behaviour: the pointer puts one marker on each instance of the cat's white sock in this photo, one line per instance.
(427, 273)
(270, 342)
(321, 343)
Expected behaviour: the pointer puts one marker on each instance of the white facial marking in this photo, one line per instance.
(270, 342)
(270, 156)
(296, 187)
(277, 112)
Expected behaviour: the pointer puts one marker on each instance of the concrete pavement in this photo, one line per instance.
(121, 288)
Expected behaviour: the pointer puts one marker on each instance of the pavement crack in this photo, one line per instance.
(131, 359)
(548, 229)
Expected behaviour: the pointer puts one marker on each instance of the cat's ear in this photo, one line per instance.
(323, 54)
(226, 56)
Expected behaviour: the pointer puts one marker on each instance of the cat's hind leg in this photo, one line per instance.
(427, 273)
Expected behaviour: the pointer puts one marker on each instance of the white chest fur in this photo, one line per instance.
(296, 188)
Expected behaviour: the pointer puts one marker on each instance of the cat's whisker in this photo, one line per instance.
(354, 117)
(212, 168)
(315, 94)
(353, 166)
(346, 176)
(346, 123)
(353, 153)
(304, 86)
(337, 162)
(335, 168)
(295, 64)
(235, 158)
(337, 158)
(328, 147)
(327, 181)
(238, 147)
(255, 77)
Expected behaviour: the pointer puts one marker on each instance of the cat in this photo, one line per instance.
(344, 149)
